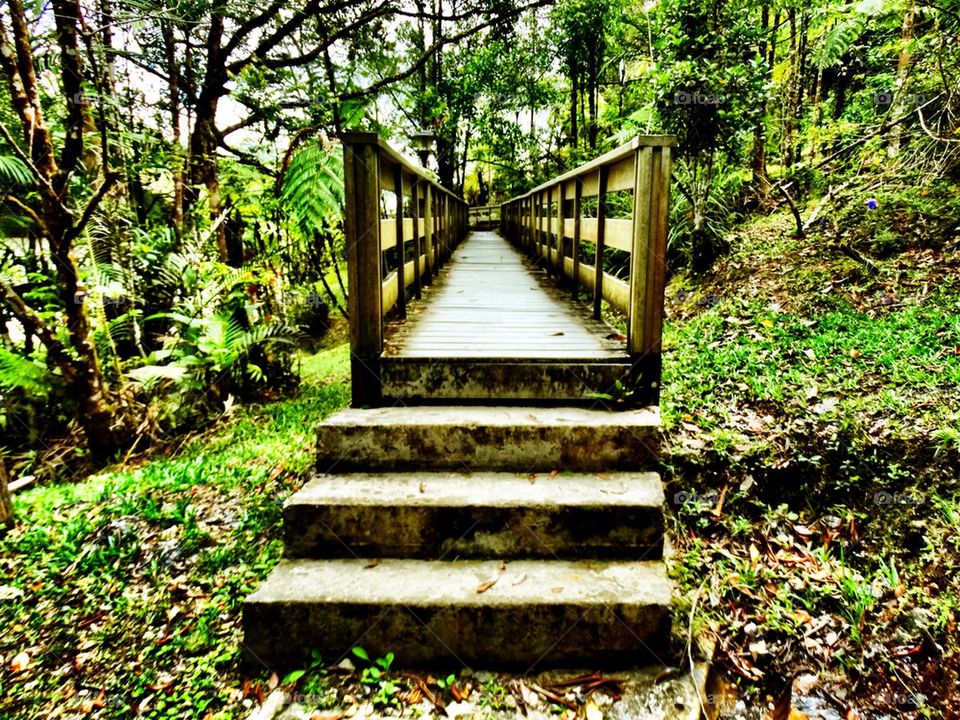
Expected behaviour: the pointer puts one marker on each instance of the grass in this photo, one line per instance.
(809, 404)
(130, 582)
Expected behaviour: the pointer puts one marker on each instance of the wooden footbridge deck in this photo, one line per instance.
(444, 309)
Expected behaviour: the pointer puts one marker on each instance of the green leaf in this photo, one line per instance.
(361, 653)
(293, 677)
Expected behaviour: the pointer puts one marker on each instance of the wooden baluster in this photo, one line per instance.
(428, 229)
(575, 251)
(561, 241)
(601, 223)
(362, 232)
(417, 245)
(401, 255)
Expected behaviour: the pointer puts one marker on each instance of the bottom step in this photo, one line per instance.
(537, 613)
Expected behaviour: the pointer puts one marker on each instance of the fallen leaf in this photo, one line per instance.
(20, 662)
(484, 586)
(371, 564)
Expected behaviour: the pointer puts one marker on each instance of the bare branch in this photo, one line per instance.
(93, 203)
(28, 211)
(426, 54)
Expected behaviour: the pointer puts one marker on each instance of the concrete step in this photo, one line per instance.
(477, 515)
(516, 439)
(453, 379)
(538, 613)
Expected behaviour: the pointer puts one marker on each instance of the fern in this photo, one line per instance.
(313, 188)
(20, 373)
(839, 39)
(14, 173)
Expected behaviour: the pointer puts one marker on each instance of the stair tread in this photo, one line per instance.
(486, 489)
(466, 416)
(432, 583)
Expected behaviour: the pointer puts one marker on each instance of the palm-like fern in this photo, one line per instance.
(312, 189)
(214, 349)
(13, 173)
(20, 373)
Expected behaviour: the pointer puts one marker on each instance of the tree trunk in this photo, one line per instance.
(176, 157)
(903, 71)
(758, 160)
(6, 501)
(574, 92)
(204, 170)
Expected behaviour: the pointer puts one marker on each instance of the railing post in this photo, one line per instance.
(647, 263)
(561, 243)
(428, 230)
(361, 174)
(401, 255)
(601, 231)
(417, 245)
(575, 249)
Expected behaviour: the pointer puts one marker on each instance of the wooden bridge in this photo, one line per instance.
(504, 321)
(489, 498)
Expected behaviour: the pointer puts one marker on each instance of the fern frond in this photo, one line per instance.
(20, 373)
(313, 187)
(14, 172)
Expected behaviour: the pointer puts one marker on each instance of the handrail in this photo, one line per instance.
(429, 221)
(547, 223)
(483, 214)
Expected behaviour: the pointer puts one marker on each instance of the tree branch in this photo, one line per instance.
(34, 325)
(109, 181)
(426, 54)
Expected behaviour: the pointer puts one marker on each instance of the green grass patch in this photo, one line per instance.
(129, 582)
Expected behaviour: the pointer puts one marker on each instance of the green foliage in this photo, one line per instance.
(14, 173)
(210, 359)
(313, 188)
(20, 373)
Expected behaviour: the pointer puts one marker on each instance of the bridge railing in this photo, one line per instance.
(618, 202)
(481, 216)
(400, 226)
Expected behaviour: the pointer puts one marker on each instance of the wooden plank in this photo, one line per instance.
(624, 151)
(561, 197)
(362, 231)
(660, 216)
(401, 245)
(601, 227)
(615, 291)
(618, 232)
(428, 230)
(388, 231)
(621, 175)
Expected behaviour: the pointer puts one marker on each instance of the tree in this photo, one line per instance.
(6, 500)
(60, 211)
